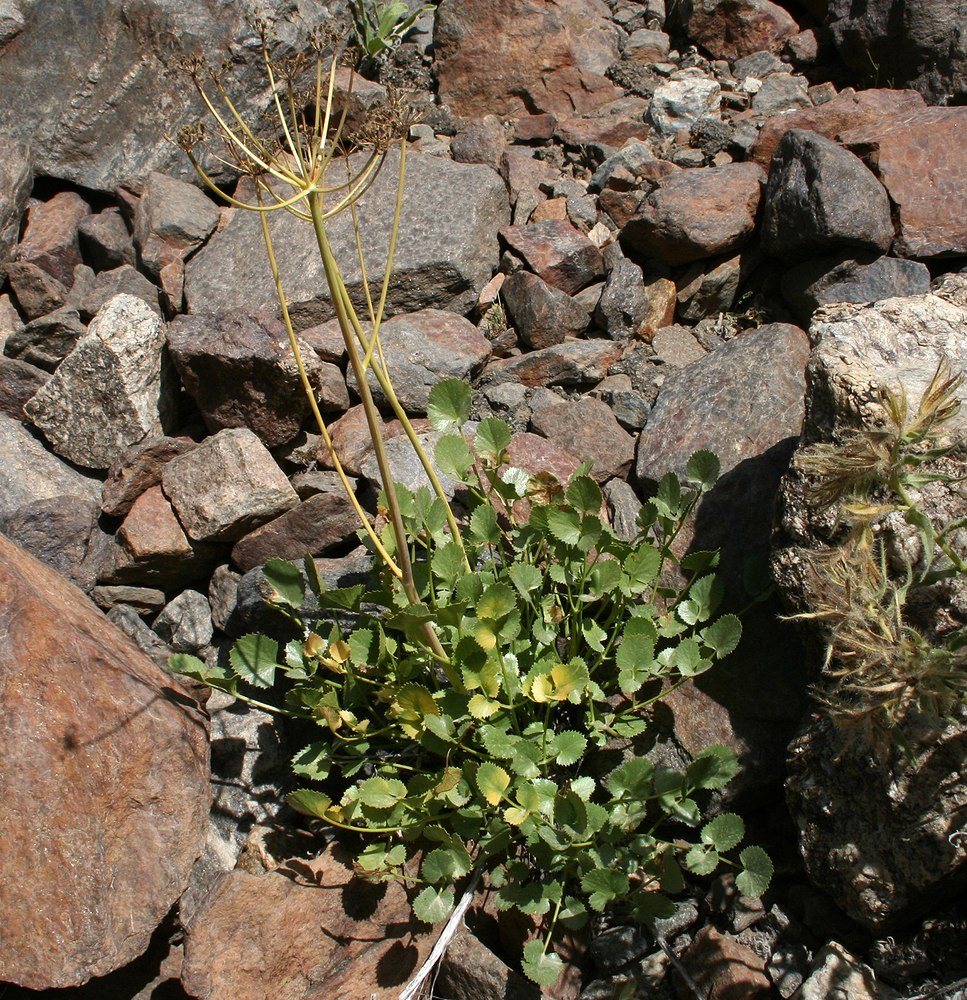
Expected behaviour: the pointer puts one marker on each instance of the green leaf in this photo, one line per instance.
(704, 596)
(525, 577)
(672, 880)
(756, 872)
(642, 567)
(381, 793)
(215, 675)
(702, 860)
(313, 762)
(703, 469)
(604, 885)
(496, 602)
(713, 767)
(635, 658)
(569, 747)
(445, 864)
(342, 598)
(254, 658)
(584, 494)
(724, 832)
(453, 455)
(498, 742)
(448, 563)
(433, 905)
(723, 635)
(492, 781)
(594, 635)
(309, 802)
(449, 404)
(286, 581)
(493, 436)
(483, 525)
(564, 525)
(687, 659)
(540, 966)
(669, 495)
(634, 779)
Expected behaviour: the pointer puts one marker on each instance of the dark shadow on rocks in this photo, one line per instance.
(397, 963)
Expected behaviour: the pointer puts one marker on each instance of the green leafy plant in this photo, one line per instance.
(890, 665)
(380, 27)
(464, 693)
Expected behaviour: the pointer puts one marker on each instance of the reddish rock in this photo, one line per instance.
(522, 171)
(321, 933)
(18, 382)
(480, 140)
(50, 240)
(106, 241)
(541, 314)
(552, 61)
(696, 214)
(534, 128)
(724, 969)
(575, 362)
(314, 527)
(351, 438)
(847, 110)
(587, 428)
(138, 469)
(731, 29)
(552, 209)
(614, 130)
(326, 340)
(36, 292)
(919, 159)
(557, 252)
(110, 766)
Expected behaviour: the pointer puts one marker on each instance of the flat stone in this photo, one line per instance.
(36, 292)
(45, 342)
(781, 93)
(587, 428)
(315, 527)
(573, 363)
(138, 469)
(226, 486)
(722, 967)
(556, 252)
(114, 389)
(541, 314)
(916, 158)
(445, 254)
(676, 346)
(713, 290)
(820, 198)
(89, 713)
(696, 214)
(730, 29)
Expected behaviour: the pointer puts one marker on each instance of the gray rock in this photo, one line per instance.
(623, 505)
(223, 596)
(185, 623)
(712, 290)
(860, 279)
(634, 156)
(105, 240)
(240, 371)
(34, 289)
(423, 347)
(678, 104)
(11, 20)
(141, 600)
(89, 297)
(405, 467)
(29, 472)
(837, 973)
(781, 92)
(226, 486)
(623, 306)
(18, 382)
(115, 388)
(47, 340)
(676, 347)
(541, 314)
(103, 89)
(480, 140)
(820, 198)
(129, 621)
(16, 180)
(445, 255)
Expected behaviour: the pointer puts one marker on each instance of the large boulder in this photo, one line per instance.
(445, 254)
(106, 789)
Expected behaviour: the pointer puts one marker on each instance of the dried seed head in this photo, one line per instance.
(387, 122)
(190, 136)
(192, 64)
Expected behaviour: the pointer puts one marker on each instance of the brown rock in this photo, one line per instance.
(847, 110)
(552, 61)
(352, 441)
(50, 240)
(37, 293)
(553, 208)
(575, 362)
(480, 140)
(918, 158)
(138, 469)
(105, 240)
(731, 29)
(471, 971)
(660, 310)
(522, 171)
(557, 252)
(313, 528)
(110, 763)
(696, 214)
(535, 128)
(587, 428)
(323, 933)
(614, 131)
(724, 969)
(18, 382)
(542, 315)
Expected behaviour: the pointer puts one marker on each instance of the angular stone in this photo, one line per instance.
(423, 347)
(553, 60)
(405, 466)
(623, 305)
(45, 342)
(89, 713)
(846, 110)
(541, 314)
(587, 428)
(313, 528)
(556, 252)
(820, 198)
(105, 240)
(50, 240)
(916, 157)
(103, 91)
(18, 382)
(63, 533)
(863, 278)
(471, 971)
(730, 29)
(142, 600)
(36, 292)
(226, 486)
(647, 46)
(16, 180)
(29, 471)
(676, 346)
(171, 219)
(575, 362)
(722, 967)
(185, 623)
(480, 140)
(240, 371)
(114, 389)
(781, 93)
(679, 104)
(696, 214)
(445, 253)
(835, 970)
(88, 299)
(138, 469)
(151, 547)
(325, 933)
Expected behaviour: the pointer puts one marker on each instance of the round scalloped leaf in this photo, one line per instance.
(287, 582)
(540, 966)
(724, 832)
(309, 802)
(493, 435)
(584, 494)
(756, 872)
(569, 747)
(703, 468)
(713, 767)
(433, 905)
(453, 455)
(723, 635)
(449, 404)
(254, 658)
(701, 860)
(492, 781)
(381, 793)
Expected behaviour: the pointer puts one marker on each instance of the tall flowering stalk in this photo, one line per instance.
(290, 171)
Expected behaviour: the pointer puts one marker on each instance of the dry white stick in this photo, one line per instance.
(450, 928)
